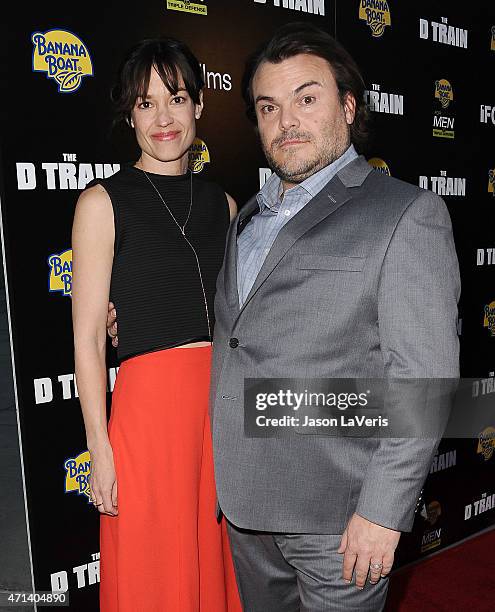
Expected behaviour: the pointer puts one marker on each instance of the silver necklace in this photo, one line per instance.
(182, 229)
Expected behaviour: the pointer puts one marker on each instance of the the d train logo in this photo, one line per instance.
(443, 92)
(376, 13)
(60, 278)
(198, 155)
(77, 474)
(489, 318)
(64, 58)
(491, 182)
(486, 442)
(379, 165)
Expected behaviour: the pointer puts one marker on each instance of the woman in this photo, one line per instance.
(151, 239)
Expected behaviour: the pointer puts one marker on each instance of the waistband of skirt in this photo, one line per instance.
(174, 354)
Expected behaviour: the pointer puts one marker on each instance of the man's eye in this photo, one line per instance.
(268, 108)
(308, 100)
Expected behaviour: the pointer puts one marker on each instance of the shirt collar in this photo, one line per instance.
(269, 195)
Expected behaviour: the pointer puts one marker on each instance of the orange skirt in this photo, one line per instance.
(165, 551)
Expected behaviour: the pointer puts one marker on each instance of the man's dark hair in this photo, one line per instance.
(171, 58)
(296, 38)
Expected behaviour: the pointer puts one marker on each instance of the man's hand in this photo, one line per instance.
(112, 324)
(367, 547)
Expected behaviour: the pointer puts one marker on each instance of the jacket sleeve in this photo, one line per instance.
(419, 287)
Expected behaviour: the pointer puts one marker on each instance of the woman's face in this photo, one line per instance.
(165, 123)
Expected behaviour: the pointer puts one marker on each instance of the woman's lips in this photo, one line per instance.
(164, 136)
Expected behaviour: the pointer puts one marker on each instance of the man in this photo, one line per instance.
(331, 270)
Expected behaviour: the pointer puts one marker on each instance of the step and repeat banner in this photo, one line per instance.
(429, 70)
(425, 65)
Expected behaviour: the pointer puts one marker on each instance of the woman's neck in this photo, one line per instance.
(170, 168)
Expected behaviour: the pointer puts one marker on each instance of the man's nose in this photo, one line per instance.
(288, 119)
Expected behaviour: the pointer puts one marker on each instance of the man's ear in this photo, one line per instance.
(198, 108)
(349, 107)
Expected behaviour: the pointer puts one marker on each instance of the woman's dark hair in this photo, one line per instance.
(296, 38)
(171, 58)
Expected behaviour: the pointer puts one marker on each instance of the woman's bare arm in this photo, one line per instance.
(92, 245)
(232, 206)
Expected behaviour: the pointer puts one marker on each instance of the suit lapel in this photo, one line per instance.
(327, 201)
(330, 198)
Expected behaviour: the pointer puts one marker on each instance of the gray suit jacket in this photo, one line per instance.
(362, 282)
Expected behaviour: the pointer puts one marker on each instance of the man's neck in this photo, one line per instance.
(286, 185)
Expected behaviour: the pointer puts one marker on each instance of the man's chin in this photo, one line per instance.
(295, 175)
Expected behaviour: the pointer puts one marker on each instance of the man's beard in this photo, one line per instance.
(334, 145)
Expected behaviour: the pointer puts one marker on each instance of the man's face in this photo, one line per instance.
(303, 124)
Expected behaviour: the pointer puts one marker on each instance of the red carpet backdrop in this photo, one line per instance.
(429, 69)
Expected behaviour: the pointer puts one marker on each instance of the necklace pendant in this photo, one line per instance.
(182, 228)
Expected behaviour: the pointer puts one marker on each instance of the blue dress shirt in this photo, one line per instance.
(276, 209)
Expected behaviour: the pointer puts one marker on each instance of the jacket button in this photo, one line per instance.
(233, 343)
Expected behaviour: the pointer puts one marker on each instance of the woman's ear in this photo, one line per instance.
(199, 107)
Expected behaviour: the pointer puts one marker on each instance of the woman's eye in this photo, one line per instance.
(178, 100)
(144, 104)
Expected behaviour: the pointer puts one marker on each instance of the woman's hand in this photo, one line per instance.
(112, 324)
(103, 480)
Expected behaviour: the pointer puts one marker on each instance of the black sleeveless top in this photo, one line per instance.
(155, 285)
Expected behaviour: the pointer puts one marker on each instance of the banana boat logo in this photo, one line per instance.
(64, 58)
(379, 165)
(444, 92)
(198, 155)
(486, 443)
(491, 182)
(489, 318)
(77, 474)
(376, 13)
(60, 278)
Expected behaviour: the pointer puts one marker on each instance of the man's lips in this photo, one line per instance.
(289, 143)
(164, 136)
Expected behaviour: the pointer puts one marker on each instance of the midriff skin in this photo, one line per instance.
(193, 344)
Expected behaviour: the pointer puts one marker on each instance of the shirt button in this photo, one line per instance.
(287, 212)
(233, 343)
